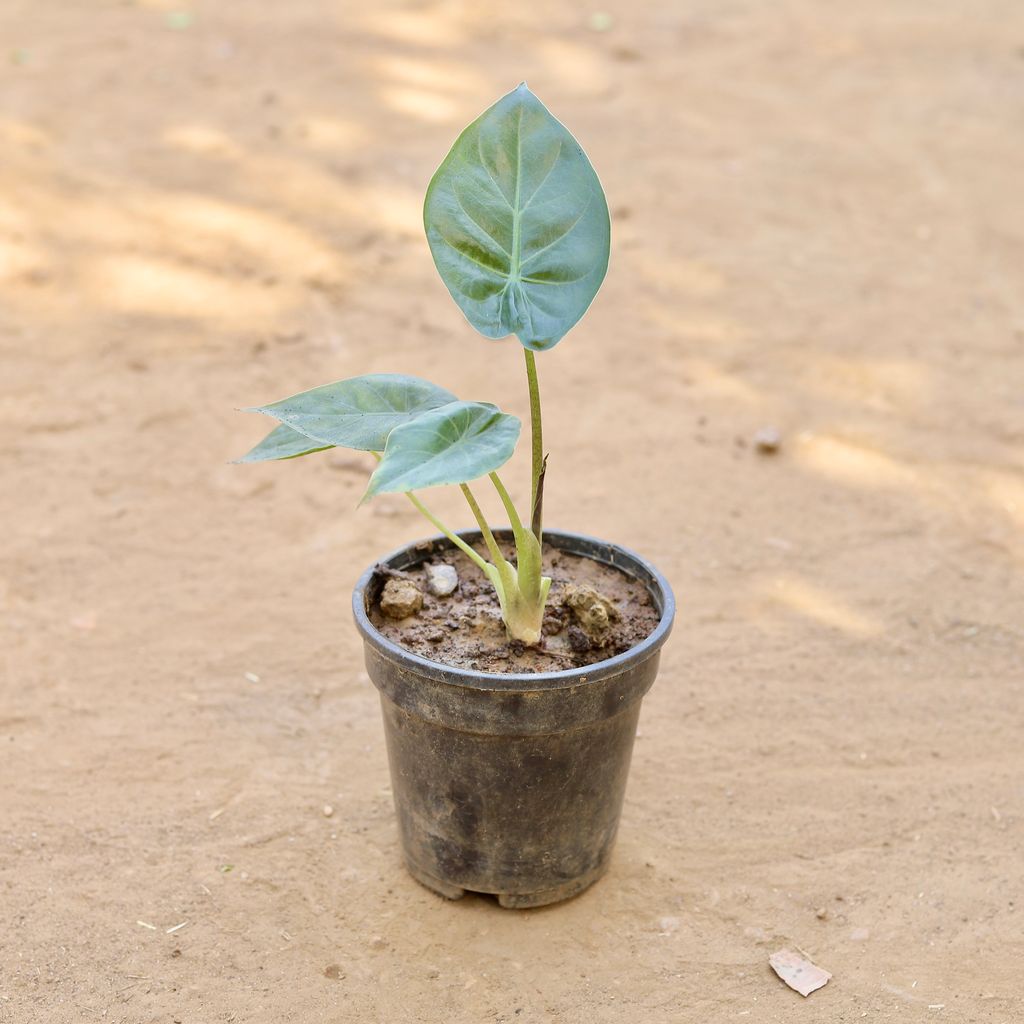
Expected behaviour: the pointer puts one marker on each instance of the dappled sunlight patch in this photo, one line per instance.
(304, 188)
(21, 254)
(431, 27)
(25, 258)
(20, 260)
(671, 275)
(13, 216)
(145, 284)
(145, 251)
(198, 138)
(876, 383)
(811, 602)
(693, 326)
(1005, 490)
(581, 68)
(852, 463)
(274, 240)
(330, 133)
(428, 74)
(182, 223)
(86, 221)
(674, 275)
(22, 135)
(396, 207)
(719, 383)
(180, 226)
(422, 104)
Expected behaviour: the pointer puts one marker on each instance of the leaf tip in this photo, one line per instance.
(247, 457)
(522, 93)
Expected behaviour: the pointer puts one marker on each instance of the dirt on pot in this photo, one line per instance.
(594, 612)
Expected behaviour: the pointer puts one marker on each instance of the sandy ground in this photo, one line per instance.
(818, 225)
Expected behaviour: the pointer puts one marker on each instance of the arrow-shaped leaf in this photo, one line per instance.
(283, 443)
(359, 412)
(451, 445)
(518, 223)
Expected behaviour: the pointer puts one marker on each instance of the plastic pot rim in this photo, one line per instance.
(657, 585)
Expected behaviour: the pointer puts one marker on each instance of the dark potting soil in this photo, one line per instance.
(464, 629)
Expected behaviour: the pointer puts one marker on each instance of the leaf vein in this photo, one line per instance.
(466, 256)
(462, 207)
(555, 241)
(543, 181)
(487, 171)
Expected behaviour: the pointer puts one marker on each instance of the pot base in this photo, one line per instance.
(511, 900)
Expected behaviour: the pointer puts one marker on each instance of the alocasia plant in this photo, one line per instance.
(518, 227)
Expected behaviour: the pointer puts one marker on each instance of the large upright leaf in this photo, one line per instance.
(359, 412)
(283, 443)
(450, 445)
(518, 223)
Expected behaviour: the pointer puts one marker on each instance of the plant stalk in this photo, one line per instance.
(492, 544)
(506, 499)
(522, 590)
(453, 537)
(537, 448)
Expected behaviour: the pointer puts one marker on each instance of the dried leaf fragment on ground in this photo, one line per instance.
(798, 972)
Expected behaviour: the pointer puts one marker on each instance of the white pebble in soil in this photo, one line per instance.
(442, 580)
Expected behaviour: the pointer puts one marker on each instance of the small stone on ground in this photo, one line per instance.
(767, 440)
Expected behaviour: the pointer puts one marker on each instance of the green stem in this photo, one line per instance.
(528, 556)
(510, 508)
(537, 446)
(454, 538)
(492, 544)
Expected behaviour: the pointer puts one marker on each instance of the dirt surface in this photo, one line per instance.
(465, 629)
(818, 227)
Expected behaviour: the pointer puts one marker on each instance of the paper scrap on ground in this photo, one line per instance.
(798, 972)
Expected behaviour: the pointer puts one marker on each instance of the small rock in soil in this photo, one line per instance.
(593, 611)
(400, 599)
(441, 579)
(767, 440)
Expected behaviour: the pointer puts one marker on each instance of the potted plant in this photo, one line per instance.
(510, 662)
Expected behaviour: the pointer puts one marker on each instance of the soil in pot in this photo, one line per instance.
(594, 612)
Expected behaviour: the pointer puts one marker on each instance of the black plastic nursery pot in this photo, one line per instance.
(510, 784)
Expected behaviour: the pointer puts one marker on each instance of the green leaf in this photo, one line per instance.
(359, 412)
(518, 224)
(283, 443)
(451, 445)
